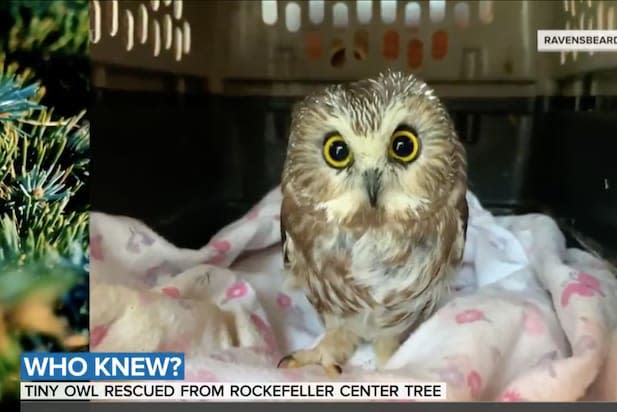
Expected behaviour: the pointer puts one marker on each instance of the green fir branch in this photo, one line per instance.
(43, 236)
(44, 160)
(48, 26)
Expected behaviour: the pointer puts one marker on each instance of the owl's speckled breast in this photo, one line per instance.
(385, 287)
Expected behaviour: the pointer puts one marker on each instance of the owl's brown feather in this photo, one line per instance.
(373, 269)
(324, 281)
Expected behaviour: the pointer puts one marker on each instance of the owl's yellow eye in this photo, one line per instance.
(404, 146)
(336, 152)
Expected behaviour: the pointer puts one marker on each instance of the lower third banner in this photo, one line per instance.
(232, 392)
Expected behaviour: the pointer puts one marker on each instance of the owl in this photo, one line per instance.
(374, 212)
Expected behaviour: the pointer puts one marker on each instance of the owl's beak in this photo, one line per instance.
(372, 182)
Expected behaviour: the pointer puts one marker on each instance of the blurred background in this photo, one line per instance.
(44, 173)
(192, 101)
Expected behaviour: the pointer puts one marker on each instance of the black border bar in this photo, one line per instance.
(312, 406)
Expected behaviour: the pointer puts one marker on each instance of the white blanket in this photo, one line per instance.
(529, 319)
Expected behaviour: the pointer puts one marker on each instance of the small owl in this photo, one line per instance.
(374, 213)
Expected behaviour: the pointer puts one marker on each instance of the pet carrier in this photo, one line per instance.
(192, 101)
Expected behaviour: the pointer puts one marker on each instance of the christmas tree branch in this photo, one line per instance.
(47, 26)
(43, 233)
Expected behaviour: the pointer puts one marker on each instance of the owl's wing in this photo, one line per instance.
(452, 236)
(463, 210)
(455, 247)
(292, 263)
(284, 245)
(313, 266)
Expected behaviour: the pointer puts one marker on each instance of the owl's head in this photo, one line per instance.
(384, 145)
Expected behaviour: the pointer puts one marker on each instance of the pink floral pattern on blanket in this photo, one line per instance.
(584, 285)
(470, 316)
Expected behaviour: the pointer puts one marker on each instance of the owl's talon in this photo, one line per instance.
(333, 370)
(290, 362)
